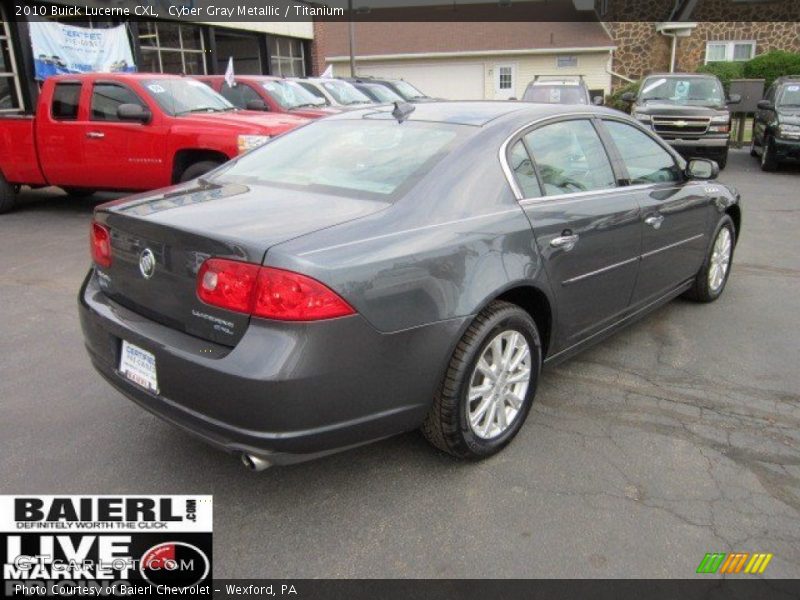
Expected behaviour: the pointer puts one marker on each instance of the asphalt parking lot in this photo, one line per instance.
(676, 437)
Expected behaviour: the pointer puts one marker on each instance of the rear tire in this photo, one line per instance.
(709, 284)
(78, 192)
(769, 162)
(8, 195)
(198, 169)
(455, 422)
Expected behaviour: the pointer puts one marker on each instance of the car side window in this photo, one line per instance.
(65, 101)
(239, 95)
(522, 166)
(570, 158)
(770, 94)
(645, 160)
(108, 97)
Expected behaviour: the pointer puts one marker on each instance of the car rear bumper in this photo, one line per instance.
(287, 391)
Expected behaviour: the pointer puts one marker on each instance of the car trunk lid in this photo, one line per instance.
(178, 229)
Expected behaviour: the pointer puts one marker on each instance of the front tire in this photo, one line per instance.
(8, 195)
(489, 385)
(769, 161)
(197, 169)
(722, 159)
(712, 277)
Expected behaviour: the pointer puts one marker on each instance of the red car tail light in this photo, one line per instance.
(289, 296)
(100, 243)
(228, 284)
(267, 292)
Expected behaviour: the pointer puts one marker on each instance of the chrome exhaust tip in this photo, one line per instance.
(254, 463)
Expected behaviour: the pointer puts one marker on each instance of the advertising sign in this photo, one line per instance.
(105, 545)
(60, 48)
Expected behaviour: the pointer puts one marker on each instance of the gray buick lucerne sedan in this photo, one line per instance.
(396, 268)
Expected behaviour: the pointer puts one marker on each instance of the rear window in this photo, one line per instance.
(555, 94)
(65, 101)
(372, 157)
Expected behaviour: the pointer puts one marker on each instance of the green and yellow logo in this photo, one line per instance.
(723, 563)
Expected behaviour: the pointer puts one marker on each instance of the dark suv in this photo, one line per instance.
(689, 111)
(555, 89)
(776, 126)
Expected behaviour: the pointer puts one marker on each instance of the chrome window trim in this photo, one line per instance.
(502, 156)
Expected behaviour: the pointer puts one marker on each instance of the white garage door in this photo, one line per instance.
(452, 81)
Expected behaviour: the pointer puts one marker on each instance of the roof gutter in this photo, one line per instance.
(474, 53)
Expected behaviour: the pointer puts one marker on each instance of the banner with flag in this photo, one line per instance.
(230, 78)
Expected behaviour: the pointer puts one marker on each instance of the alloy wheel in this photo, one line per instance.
(720, 259)
(499, 384)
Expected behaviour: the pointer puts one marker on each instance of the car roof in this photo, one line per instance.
(240, 77)
(478, 113)
(683, 75)
(120, 75)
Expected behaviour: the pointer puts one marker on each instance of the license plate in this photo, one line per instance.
(139, 366)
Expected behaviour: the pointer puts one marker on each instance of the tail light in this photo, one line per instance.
(100, 242)
(267, 292)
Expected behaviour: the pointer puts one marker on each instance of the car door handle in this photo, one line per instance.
(95, 135)
(567, 242)
(654, 221)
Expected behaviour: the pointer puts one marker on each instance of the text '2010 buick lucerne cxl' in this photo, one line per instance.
(396, 268)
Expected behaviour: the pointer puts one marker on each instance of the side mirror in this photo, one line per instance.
(764, 105)
(702, 168)
(628, 97)
(133, 112)
(256, 105)
(598, 101)
(734, 99)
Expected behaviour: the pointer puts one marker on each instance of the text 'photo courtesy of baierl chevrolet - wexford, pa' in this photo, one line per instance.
(441, 299)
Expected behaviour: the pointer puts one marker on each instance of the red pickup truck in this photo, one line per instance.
(126, 132)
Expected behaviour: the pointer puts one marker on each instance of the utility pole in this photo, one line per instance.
(352, 27)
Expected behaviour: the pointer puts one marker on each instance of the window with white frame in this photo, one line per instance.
(565, 61)
(287, 57)
(10, 91)
(172, 48)
(505, 78)
(720, 51)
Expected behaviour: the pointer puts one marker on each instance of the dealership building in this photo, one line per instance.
(161, 46)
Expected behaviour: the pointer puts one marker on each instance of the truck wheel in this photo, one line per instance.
(768, 160)
(78, 192)
(722, 159)
(8, 195)
(197, 169)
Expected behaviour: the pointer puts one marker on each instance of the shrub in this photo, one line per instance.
(614, 100)
(772, 65)
(725, 71)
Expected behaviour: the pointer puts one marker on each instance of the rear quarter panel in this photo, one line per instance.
(456, 241)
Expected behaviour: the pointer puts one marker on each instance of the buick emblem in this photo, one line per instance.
(147, 263)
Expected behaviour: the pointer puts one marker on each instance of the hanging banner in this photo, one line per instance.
(60, 48)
